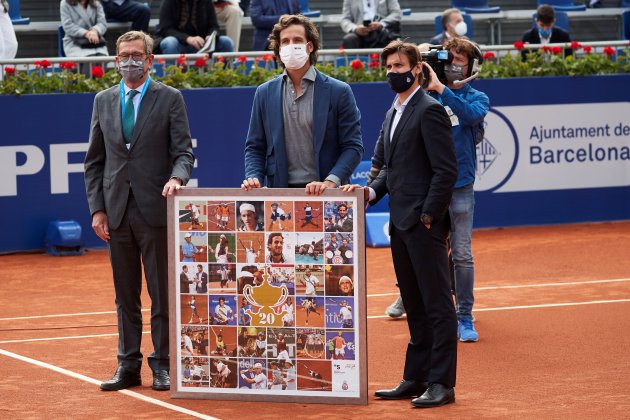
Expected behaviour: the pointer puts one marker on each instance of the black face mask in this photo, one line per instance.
(400, 82)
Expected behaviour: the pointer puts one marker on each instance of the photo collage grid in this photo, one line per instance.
(267, 295)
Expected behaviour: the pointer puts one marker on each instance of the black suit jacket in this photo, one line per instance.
(557, 35)
(420, 167)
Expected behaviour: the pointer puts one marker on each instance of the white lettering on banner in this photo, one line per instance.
(9, 168)
(60, 169)
(34, 160)
(555, 147)
(360, 175)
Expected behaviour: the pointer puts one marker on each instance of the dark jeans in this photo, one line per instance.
(138, 13)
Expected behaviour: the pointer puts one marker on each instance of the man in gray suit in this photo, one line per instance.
(370, 23)
(140, 150)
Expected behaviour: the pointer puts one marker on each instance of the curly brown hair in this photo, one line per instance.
(312, 35)
(462, 46)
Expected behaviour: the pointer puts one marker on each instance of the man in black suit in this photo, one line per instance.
(419, 174)
(140, 152)
(545, 32)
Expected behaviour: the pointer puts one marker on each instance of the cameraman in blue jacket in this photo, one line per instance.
(467, 109)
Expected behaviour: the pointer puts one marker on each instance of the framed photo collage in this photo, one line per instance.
(267, 295)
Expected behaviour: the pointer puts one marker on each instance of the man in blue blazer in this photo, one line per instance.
(305, 127)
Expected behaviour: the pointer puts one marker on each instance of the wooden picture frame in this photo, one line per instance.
(267, 295)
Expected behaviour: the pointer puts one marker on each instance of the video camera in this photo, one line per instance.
(437, 58)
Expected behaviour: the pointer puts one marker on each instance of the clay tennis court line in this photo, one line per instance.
(93, 381)
(62, 315)
(69, 337)
(519, 286)
(525, 286)
(502, 308)
(546, 305)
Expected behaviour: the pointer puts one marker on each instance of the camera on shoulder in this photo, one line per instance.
(437, 57)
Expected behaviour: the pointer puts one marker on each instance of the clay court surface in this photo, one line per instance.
(552, 309)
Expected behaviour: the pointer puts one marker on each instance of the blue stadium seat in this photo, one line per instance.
(474, 6)
(625, 25)
(60, 34)
(562, 20)
(406, 12)
(308, 12)
(624, 3)
(467, 19)
(14, 13)
(563, 5)
(63, 237)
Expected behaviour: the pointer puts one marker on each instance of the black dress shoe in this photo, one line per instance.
(405, 389)
(435, 396)
(161, 380)
(123, 378)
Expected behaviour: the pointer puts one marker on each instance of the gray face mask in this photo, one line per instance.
(454, 72)
(131, 70)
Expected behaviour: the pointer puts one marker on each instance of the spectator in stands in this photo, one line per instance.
(545, 32)
(245, 6)
(230, 14)
(8, 42)
(370, 23)
(453, 26)
(139, 14)
(185, 25)
(305, 128)
(265, 14)
(85, 26)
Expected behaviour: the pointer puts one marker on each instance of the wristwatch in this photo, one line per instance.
(426, 219)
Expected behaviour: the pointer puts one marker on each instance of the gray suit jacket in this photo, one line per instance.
(76, 21)
(352, 13)
(161, 148)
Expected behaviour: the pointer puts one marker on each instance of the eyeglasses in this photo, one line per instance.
(135, 56)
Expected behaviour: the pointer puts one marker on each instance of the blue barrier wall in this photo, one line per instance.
(44, 138)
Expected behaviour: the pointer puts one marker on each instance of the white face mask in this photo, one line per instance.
(461, 28)
(294, 56)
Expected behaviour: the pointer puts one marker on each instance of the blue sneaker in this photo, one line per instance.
(466, 330)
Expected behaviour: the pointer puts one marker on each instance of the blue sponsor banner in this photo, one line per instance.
(555, 151)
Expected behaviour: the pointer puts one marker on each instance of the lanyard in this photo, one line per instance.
(123, 100)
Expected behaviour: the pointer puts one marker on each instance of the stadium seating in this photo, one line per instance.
(562, 20)
(14, 13)
(474, 6)
(467, 19)
(306, 11)
(563, 5)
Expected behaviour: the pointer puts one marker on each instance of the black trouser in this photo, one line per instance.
(133, 244)
(421, 265)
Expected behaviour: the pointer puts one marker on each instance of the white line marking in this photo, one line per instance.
(68, 337)
(518, 286)
(62, 315)
(93, 381)
(505, 308)
(545, 305)
(524, 286)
